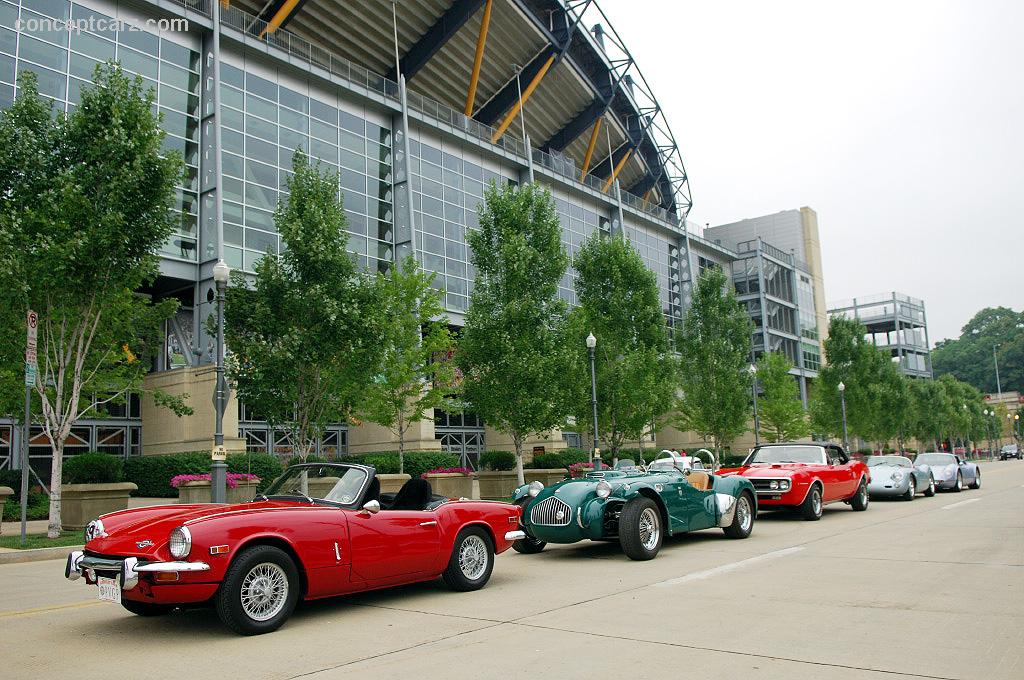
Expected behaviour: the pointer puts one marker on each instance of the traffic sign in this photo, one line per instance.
(30, 355)
(30, 375)
(33, 326)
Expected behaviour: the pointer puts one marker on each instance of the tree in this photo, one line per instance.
(619, 303)
(513, 350)
(780, 410)
(307, 335)
(85, 201)
(714, 348)
(415, 374)
(930, 411)
(969, 357)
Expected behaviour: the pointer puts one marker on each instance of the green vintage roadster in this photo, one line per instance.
(636, 505)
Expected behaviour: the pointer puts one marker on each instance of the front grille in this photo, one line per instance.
(552, 512)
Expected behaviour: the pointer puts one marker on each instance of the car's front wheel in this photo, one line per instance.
(146, 608)
(976, 484)
(640, 530)
(743, 520)
(860, 500)
(472, 560)
(811, 508)
(959, 486)
(528, 545)
(911, 490)
(930, 491)
(259, 591)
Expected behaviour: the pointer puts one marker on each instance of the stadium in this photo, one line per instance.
(418, 104)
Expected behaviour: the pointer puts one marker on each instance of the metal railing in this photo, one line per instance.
(446, 115)
(199, 6)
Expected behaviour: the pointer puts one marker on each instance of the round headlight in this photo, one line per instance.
(897, 476)
(773, 484)
(180, 544)
(784, 484)
(94, 529)
(536, 487)
(604, 489)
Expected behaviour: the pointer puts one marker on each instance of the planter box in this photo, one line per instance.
(199, 492)
(454, 485)
(82, 503)
(500, 485)
(392, 483)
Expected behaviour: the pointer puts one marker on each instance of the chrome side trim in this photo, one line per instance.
(515, 535)
(173, 566)
(726, 505)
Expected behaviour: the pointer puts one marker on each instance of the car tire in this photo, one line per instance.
(472, 560)
(742, 522)
(146, 608)
(528, 545)
(976, 484)
(640, 529)
(812, 507)
(911, 490)
(959, 486)
(930, 491)
(860, 500)
(243, 602)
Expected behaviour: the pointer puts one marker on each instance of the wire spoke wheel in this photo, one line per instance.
(264, 591)
(650, 530)
(743, 513)
(473, 557)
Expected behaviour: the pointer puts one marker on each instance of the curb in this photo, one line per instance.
(37, 554)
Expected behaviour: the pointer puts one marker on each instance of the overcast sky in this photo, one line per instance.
(901, 123)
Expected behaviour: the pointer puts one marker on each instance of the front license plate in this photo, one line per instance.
(110, 589)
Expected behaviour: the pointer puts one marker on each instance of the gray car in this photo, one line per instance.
(950, 471)
(896, 476)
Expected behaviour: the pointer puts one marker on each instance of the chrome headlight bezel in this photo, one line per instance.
(180, 542)
(536, 486)
(94, 529)
(604, 489)
(897, 476)
(784, 485)
(774, 485)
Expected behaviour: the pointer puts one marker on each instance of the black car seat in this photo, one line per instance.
(414, 495)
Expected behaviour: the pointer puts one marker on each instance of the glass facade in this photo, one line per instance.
(578, 224)
(64, 61)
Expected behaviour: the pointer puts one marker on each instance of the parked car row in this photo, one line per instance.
(325, 529)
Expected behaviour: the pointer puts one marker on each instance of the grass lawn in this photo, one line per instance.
(41, 541)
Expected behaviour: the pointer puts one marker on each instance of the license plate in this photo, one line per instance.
(110, 589)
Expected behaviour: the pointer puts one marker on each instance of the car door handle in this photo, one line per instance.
(428, 524)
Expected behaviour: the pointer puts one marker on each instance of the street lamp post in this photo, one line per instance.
(219, 466)
(842, 400)
(752, 368)
(988, 428)
(591, 347)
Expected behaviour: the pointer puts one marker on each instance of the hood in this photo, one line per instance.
(765, 470)
(574, 490)
(125, 529)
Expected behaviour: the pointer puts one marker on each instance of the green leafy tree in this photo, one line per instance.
(782, 414)
(714, 350)
(415, 374)
(85, 202)
(307, 334)
(969, 357)
(513, 350)
(619, 303)
(930, 411)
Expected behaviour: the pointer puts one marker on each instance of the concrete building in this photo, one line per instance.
(897, 324)
(250, 81)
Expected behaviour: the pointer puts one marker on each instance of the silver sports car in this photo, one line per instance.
(950, 471)
(897, 476)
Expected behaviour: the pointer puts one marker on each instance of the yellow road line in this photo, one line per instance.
(56, 607)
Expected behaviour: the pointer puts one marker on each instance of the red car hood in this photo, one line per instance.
(126, 529)
(766, 470)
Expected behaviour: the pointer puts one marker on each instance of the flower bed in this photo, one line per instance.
(233, 479)
(580, 469)
(196, 488)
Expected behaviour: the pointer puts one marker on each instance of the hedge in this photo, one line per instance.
(559, 459)
(416, 462)
(93, 468)
(497, 460)
(152, 474)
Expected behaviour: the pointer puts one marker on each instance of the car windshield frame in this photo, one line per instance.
(343, 468)
(898, 461)
(787, 453)
(948, 458)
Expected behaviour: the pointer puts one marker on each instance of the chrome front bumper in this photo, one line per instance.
(128, 568)
(515, 535)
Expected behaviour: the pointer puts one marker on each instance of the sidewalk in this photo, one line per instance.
(38, 526)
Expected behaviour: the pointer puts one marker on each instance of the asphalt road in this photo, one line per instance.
(932, 588)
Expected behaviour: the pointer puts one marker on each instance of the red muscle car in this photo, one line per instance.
(805, 477)
(320, 530)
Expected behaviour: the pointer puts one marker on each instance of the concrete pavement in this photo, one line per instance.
(931, 588)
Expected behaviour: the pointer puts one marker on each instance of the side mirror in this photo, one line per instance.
(371, 507)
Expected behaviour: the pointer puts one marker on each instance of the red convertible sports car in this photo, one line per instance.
(805, 477)
(320, 530)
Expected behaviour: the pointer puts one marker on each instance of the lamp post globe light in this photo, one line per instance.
(752, 369)
(219, 466)
(591, 347)
(842, 401)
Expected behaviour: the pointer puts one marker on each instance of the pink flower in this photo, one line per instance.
(233, 479)
(580, 469)
(454, 470)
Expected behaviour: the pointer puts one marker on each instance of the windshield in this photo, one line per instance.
(898, 461)
(787, 454)
(935, 459)
(335, 483)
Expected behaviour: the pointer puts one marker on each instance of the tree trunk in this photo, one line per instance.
(54, 528)
(520, 475)
(401, 445)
